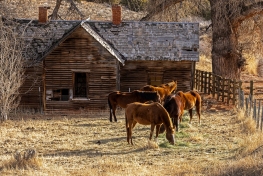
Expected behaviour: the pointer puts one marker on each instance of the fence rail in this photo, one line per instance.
(246, 95)
(225, 90)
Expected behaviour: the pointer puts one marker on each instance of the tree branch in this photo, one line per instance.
(54, 15)
(74, 7)
(248, 12)
(161, 7)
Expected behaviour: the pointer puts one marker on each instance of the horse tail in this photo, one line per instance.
(194, 93)
(110, 106)
(126, 123)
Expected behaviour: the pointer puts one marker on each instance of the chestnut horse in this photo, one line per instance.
(164, 89)
(176, 104)
(121, 99)
(152, 114)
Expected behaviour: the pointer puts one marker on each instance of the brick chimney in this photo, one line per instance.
(42, 14)
(116, 14)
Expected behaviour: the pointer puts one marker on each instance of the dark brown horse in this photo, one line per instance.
(123, 98)
(175, 104)
(152, 114)
(164, 89)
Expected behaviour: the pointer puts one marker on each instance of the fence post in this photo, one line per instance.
(205, 82)
(229, 91)
(261, 118)
(259, 106)
(202, 81)
(196, 79)
(213, 85)
(251, 89)
(255, 110)
(218, 87)
(241, 98)
(223, 89)
(199, 80)
(209, 83)
(247, 111)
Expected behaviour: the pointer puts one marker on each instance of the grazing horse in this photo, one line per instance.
(164, 89)
(152, 114)
(121, 99)
(176, 104)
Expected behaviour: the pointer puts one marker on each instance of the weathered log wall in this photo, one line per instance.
(134, 74)
(80, 53)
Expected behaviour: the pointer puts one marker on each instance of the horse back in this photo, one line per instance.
(144, 96)
(147, 88)
(146, 113)
(174, 105)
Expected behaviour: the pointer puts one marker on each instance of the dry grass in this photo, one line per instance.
(252, 64)
(91, 145)
(204, 64)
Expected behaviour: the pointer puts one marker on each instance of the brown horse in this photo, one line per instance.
(152, 114)
(176, 104)
(164, 89)
(121, 99)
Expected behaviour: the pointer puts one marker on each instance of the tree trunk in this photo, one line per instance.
(226, 59)
(54, 15)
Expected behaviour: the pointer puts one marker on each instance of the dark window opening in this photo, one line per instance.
(60, 95)
(80, 85)
(64, 94)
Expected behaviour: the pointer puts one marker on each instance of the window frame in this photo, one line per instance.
(74, 72)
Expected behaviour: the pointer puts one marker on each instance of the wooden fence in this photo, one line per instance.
(246, 95)
(225, 90)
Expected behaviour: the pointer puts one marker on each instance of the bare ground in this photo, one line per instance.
(91, 145)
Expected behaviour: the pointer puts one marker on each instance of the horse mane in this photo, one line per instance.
(168, 120)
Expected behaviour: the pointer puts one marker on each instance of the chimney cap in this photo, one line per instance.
(115, 2)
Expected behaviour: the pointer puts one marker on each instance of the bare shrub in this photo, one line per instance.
(12, 68)
(23, 160)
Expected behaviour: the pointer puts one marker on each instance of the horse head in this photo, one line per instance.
(170, 135)
(173, 86)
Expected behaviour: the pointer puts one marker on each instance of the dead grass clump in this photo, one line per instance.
(241, 115)
(246, 166)
(196, 137)
(251, 144)
(23, 160)
(249, 126)
(151, 145)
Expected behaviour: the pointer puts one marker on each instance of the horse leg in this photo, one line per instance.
(132, 125)
(198, 111)
(191, 115)
(127, 128)
(110, 115)
(113, 112)
(129, 133)
(157, 129)
(152, 129)
(176, 119)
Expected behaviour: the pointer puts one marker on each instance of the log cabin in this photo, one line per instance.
(76, 64)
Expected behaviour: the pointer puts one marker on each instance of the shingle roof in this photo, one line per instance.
(128, 41)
